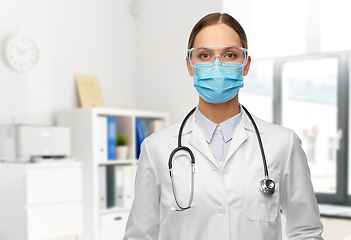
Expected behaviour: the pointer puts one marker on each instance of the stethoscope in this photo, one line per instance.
(267, 185)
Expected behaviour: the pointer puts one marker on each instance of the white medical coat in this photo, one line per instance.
(228, 204)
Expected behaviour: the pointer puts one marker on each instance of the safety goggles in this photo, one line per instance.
(230, 56)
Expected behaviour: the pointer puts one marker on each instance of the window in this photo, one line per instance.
(310, 149)
(257, 93)
(309, 107)
(331, 149)
(309, 94)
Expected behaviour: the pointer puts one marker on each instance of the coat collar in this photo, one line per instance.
(188, 128)
(198, 141)
(244, 123)
(247, 124)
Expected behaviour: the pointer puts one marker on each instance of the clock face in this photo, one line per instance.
(21, 53)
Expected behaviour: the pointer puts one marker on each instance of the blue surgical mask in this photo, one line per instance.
(218, 84)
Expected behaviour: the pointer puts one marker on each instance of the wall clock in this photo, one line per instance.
(21, 52)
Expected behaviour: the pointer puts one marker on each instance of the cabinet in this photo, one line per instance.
(41, 201)
(87, 134)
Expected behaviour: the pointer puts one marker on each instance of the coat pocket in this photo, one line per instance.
(257, 205)
(169, 227)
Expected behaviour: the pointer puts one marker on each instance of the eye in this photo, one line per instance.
(230, 55)
(205, 56)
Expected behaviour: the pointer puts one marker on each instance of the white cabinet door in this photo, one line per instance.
(112, 226)
(50, 185)
(54, 221)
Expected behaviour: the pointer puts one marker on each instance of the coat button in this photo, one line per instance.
(222, 210)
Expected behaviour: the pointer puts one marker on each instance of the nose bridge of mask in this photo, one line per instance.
(219, 72)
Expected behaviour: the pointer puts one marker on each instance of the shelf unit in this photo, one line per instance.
(84, 125)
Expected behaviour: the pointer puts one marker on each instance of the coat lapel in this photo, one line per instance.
(197, 140)
(241, 135)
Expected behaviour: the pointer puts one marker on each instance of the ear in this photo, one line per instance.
(247, 66)
(190, 68)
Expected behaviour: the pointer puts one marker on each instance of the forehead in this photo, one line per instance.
(218, 34)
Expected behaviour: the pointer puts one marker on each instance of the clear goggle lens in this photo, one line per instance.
(205, 56)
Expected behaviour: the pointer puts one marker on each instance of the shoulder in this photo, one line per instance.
(281, 143)
(277, 132)
(162, 137)
(169, 131)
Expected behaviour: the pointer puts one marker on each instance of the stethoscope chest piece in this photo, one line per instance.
(267, 186)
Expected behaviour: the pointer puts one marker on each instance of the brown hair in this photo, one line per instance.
(215, 18)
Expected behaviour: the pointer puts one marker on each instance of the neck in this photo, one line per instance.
(219, 112)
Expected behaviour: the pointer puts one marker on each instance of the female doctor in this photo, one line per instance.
(219, 184)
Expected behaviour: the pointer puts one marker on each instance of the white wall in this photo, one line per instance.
(162, 32)
(74, 37)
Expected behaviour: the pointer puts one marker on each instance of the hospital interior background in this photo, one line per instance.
(299, 78)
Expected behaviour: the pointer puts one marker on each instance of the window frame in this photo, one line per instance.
(330, 150)
(341, 197)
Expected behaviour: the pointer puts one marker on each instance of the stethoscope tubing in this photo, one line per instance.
(191, 192)
(259, 143)
(182, 126)
(179, 148)
(267, 186)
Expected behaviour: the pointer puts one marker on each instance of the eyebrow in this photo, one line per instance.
(230, 47)
(205, 48)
